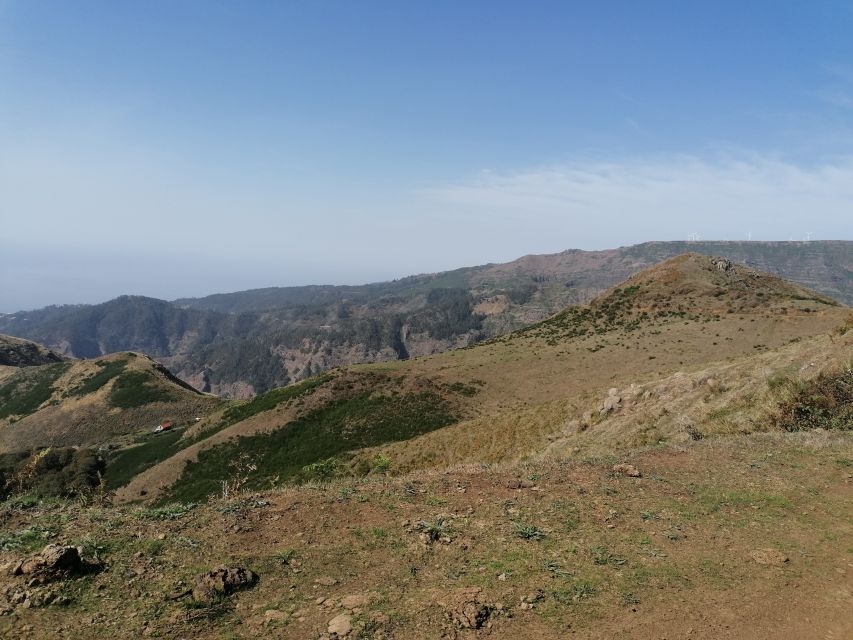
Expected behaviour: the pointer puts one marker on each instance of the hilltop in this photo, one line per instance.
(15, 352)
(499, 400)
(244, 343)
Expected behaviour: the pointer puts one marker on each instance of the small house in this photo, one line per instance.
(166, 425)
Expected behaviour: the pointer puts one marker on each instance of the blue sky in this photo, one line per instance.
(182, 148)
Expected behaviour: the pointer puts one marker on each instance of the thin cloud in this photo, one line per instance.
(666, 195)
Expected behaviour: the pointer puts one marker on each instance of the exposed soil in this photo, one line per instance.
(547, 550)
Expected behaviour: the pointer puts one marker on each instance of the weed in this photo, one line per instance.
(154, 547)
(575, 593)
(29, 539)
(381, 463)
(322, 470)
(600, 555)
(528, 531)
(436, 529)
(173, 511)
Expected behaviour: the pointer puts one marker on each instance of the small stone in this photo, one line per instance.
(272, 616)
(354, 601)
(326, 581)
(502, 577)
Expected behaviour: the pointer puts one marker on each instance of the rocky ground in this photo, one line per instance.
(730, 537)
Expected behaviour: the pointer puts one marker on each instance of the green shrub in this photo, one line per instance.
(51, 472)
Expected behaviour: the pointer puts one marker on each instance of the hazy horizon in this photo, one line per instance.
(182, 149)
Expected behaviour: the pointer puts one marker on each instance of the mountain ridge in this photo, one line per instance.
(235, 345)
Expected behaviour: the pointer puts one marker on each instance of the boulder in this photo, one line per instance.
(55, 562)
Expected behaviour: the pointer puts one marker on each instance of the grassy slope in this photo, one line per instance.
(531, 383)
(92, 402)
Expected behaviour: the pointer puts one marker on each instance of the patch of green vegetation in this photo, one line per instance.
(576, 592)
(270, 400)
(109, 370)
(825, 402)
(600, 555)
(61, 472)
(528, 531)
(128, 463)
(136, 389)
(26, 540)
(25, 392)
(285, 557)
(435, 529)
(710, 500)
(173, 511)
(365, 419)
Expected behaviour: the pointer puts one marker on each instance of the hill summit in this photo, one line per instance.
(700, 283)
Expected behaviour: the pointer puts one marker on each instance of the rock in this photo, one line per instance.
(468, 611)
(340, 625)
(326, 581)
(272, 616)
(611, 403)
(54, 562)
(354, 601)
(628, 470)
(769, 557)
(723, 264)
(222, 581)
(519, 484)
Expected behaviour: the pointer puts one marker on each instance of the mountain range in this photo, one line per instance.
(240, 344)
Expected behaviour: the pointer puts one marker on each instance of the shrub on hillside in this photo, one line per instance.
(825, 402)
(52, 472)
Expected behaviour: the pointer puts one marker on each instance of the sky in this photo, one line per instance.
(180, 148)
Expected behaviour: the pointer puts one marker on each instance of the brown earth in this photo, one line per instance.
(667, 555)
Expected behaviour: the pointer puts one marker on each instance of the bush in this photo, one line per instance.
(53, 472)
(825, 402)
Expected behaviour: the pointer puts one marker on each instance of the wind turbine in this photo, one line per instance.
(808, 236)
